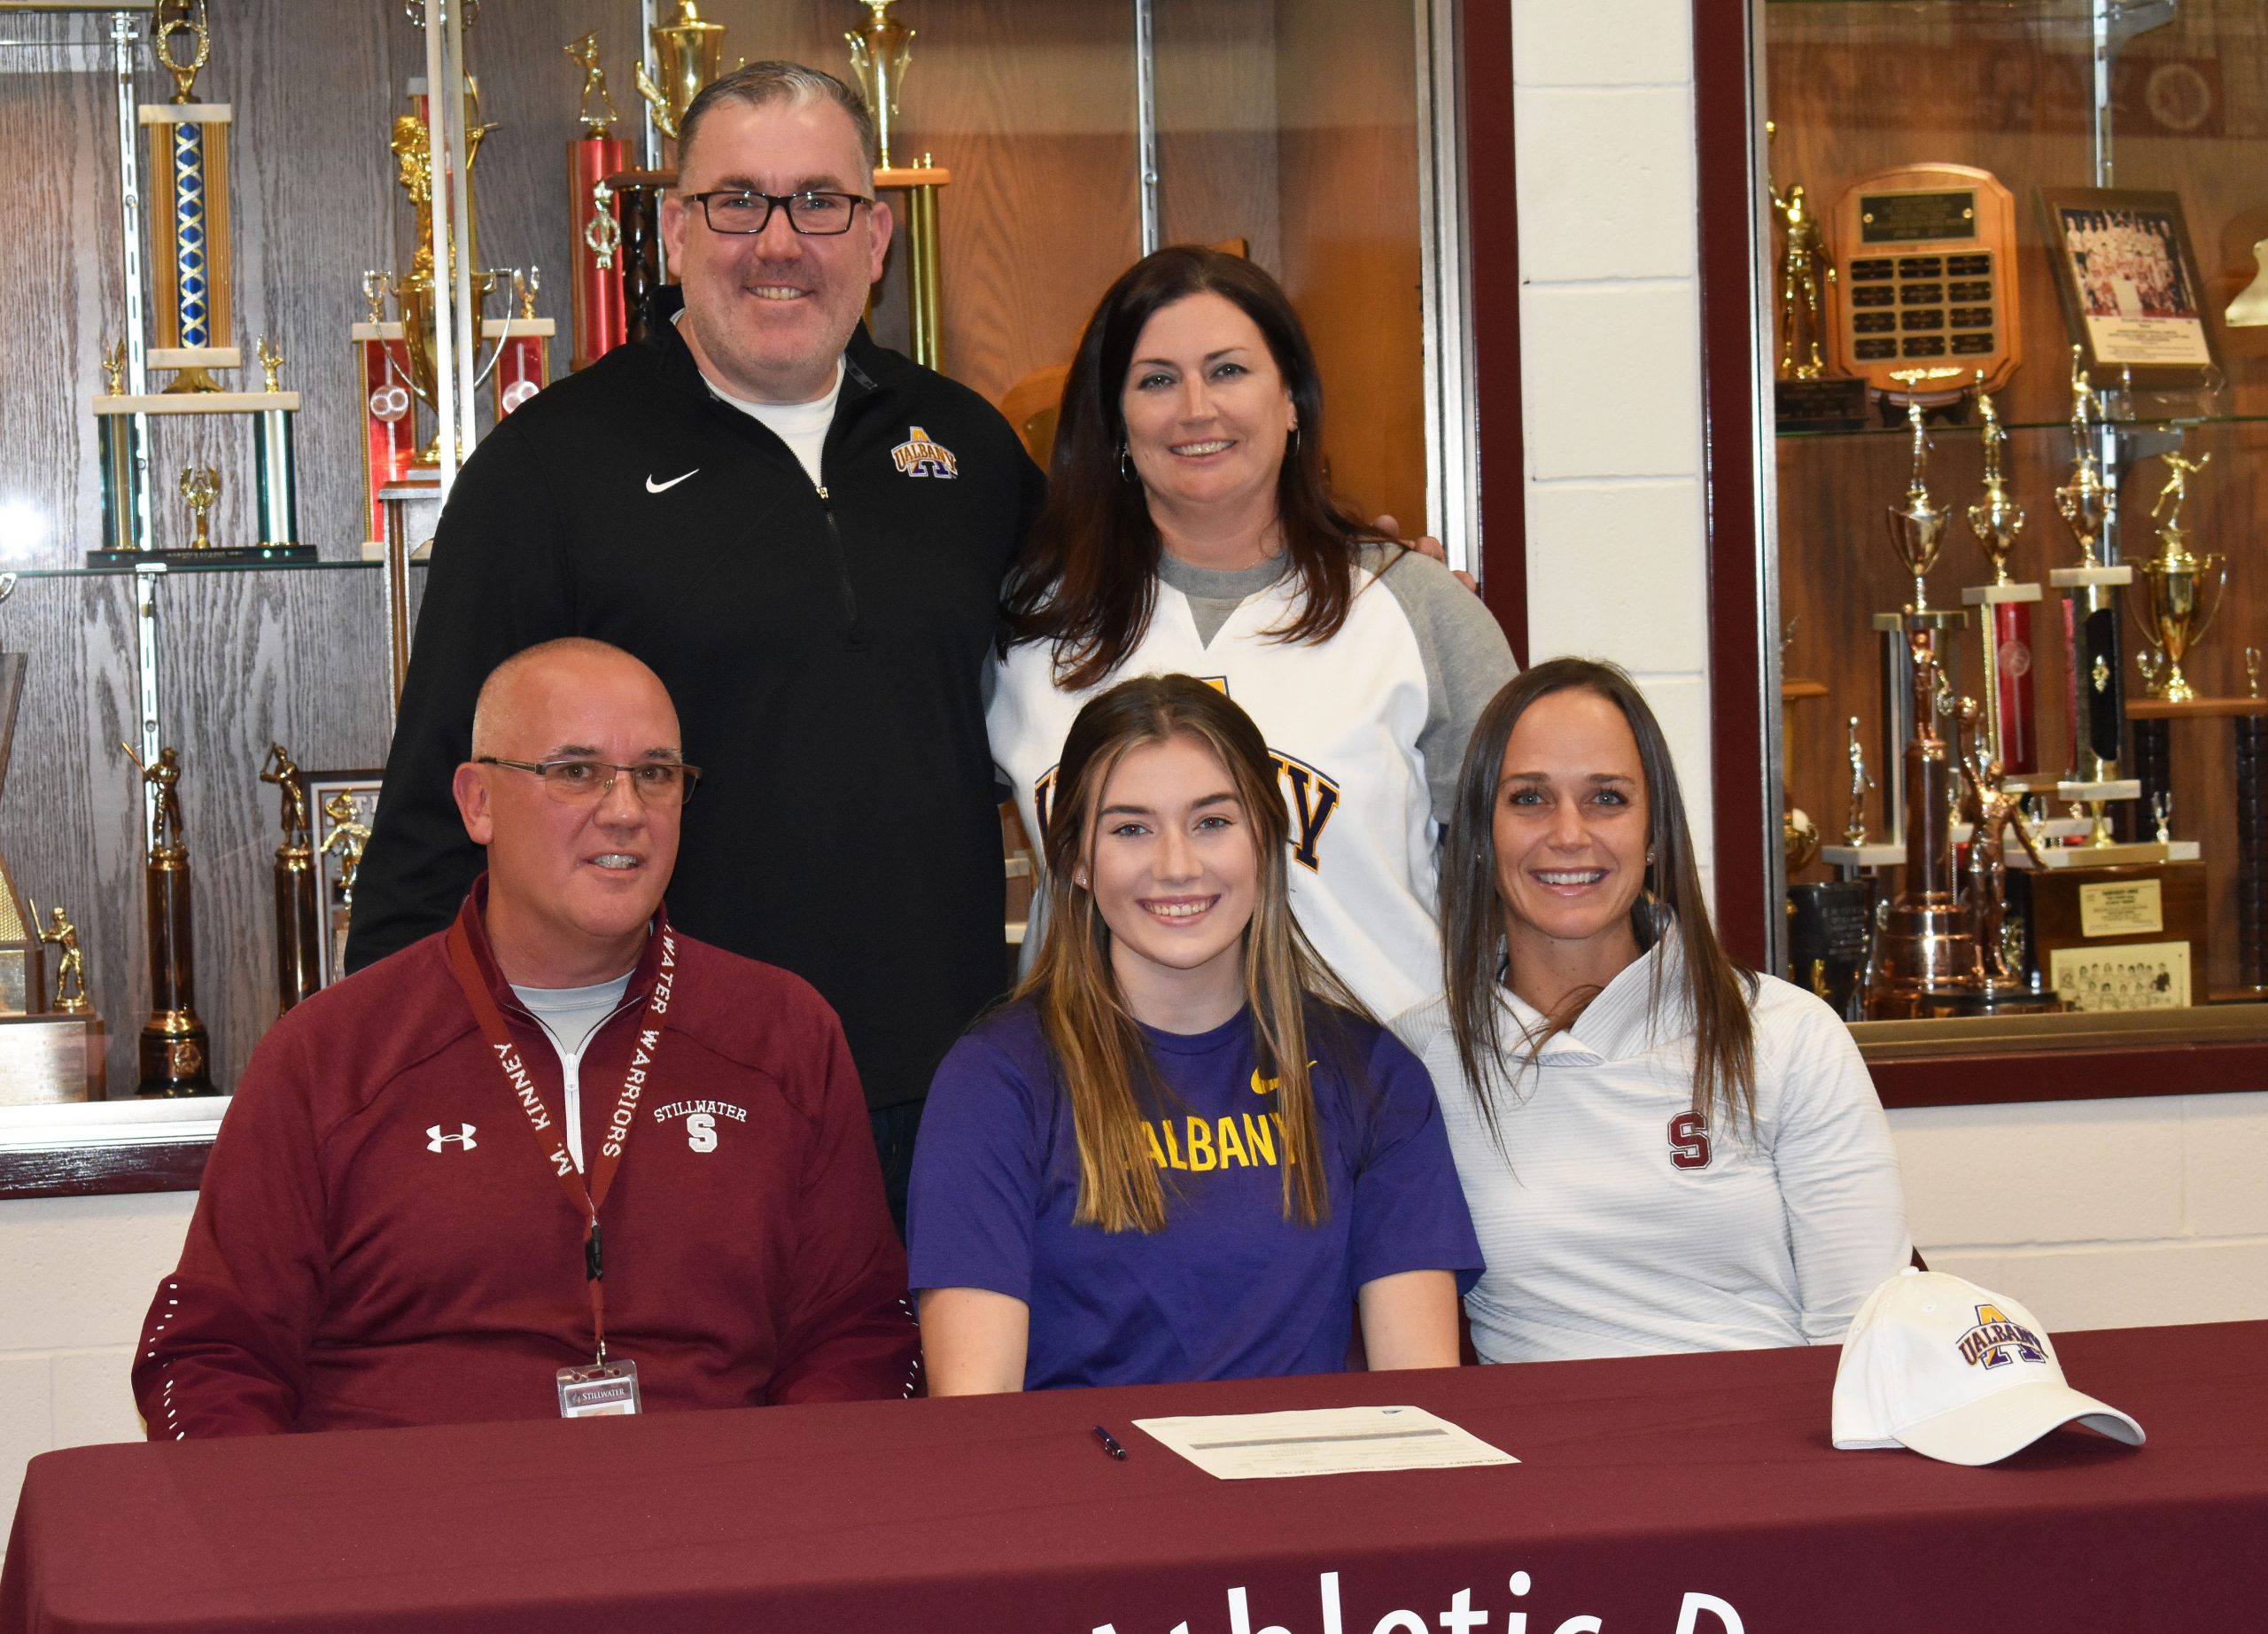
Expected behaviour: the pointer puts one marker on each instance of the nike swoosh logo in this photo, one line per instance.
(653, 486)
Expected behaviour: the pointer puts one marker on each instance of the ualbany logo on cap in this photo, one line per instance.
(918, 456)
(1995, 1341)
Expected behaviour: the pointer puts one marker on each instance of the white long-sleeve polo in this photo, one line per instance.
(1613, 1225)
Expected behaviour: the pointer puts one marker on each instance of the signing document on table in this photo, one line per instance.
(1331, 1440)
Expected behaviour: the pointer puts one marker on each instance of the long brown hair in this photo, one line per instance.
(1474, 960)
(1105, 1064)
(1087, 579)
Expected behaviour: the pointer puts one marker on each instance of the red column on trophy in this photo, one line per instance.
(389, 428)
(596, 278)
(2004, 610)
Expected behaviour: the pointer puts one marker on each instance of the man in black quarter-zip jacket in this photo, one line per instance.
(804, 535)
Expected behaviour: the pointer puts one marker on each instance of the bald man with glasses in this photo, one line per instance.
(558, 1158)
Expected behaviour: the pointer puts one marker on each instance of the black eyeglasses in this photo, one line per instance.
(813, 215)
(586, 782)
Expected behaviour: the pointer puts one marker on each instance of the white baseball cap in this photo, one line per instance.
(1934, 1363)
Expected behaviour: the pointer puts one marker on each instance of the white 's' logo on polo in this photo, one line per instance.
(435, 1139)
(701, 1131)
(919, 456)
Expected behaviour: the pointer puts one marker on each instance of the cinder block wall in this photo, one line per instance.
(76, 1275)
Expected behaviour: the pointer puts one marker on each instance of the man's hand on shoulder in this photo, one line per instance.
(1426, 544)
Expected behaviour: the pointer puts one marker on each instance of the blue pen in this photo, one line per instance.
(1109, 1443)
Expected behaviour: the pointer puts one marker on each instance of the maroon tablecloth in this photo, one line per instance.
(1642, 1482)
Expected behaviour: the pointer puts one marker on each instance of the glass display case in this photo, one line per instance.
(2005, 302)
(270, 225)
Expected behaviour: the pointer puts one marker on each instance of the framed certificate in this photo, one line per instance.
(2129, 282)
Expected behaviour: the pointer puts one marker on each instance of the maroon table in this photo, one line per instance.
(1641, 1480)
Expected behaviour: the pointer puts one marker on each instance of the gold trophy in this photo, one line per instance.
(2252, 672)
(347, 836)
(176, 1050)
(71, 970)
(1929, 963)
(2177, 620)
(882, 50)
(2004, 606)
(414, 290)
(1805, 393)
(298, 921)
(1854, 825)
(1917, 531)
(2084, 500)
(200, 488)
(690, 53)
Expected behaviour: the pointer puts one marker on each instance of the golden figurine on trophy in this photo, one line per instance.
(2176, 618)
(71, 970)
(1805, 392)
(200, 490)
(882, 50)
(176, 1050)
(690, 53)
(298, 921)
(1854, 824)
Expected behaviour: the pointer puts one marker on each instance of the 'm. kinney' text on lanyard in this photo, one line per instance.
(585, 1199)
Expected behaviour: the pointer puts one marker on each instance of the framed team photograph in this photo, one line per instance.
(2128, 277)
(341, 806)
(2127, 975)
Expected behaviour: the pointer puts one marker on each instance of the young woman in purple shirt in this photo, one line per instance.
(1181, 1150)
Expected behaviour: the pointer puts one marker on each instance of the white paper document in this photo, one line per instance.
(1326, 1441)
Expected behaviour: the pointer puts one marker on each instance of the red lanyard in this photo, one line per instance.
(549, 1138)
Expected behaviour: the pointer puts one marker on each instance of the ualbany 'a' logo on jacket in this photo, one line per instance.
(1309, 796)
(1995, 1341)
(918, 456)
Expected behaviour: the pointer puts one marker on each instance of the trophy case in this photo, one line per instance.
(268, 199)
(1988, 285)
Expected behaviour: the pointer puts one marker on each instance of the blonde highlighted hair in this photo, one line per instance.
(1107, 1075)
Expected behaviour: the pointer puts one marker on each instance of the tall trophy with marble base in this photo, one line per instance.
(2004, 610)
(2093, 690)
(175, 1051)
(1927, 960)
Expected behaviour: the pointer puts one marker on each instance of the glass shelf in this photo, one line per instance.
(1903, 431)
(204, 567)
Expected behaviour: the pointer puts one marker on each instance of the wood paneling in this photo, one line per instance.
(1346, 93)
(71, 822)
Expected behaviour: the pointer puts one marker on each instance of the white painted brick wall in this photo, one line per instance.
(76, 1274)
(2094, 1213)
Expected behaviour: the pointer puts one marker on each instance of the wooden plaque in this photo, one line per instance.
(1927, 257)
(2113, 926)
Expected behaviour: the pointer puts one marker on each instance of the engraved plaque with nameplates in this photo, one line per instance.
(1929, 268)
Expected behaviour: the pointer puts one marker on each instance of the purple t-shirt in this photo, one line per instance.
(1230, 1289)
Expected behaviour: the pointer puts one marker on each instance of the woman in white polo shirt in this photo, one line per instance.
(1661, 1150)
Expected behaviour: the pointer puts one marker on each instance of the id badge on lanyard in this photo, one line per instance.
(604, 1388)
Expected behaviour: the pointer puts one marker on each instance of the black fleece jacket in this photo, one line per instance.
(824, 650)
